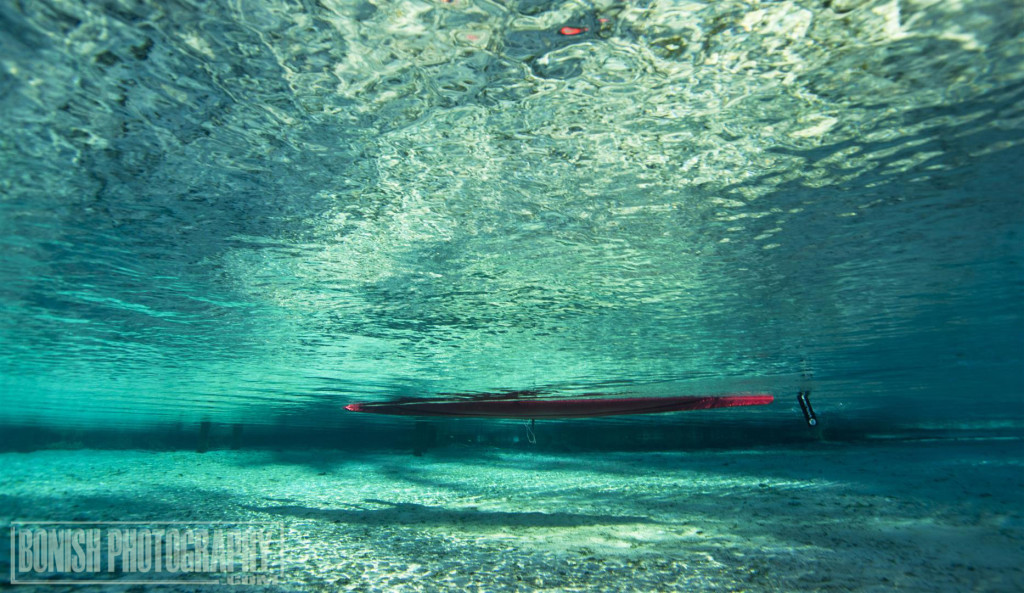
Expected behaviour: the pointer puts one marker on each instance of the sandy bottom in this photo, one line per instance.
(924, 516)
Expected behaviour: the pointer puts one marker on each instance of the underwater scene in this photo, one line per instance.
(512, 295)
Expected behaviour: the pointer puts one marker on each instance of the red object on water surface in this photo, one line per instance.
(559, 408)
(572, 30)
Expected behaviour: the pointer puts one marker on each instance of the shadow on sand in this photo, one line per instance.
(383, 512)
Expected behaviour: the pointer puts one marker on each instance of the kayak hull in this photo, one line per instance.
(559, 408)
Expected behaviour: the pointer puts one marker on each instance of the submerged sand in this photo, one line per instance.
(909, 516)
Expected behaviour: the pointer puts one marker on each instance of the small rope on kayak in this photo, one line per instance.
(530, 435)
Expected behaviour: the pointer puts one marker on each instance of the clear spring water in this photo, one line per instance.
(257, 212)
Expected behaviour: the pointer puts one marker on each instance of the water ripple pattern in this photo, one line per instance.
(248, 210)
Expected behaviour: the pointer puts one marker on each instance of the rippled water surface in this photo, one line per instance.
(246, 211)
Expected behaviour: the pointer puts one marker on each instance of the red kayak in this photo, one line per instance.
(558, 408)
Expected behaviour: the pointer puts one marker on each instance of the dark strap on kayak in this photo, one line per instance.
(804, 397)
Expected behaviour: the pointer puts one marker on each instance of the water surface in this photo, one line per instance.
(256, 212)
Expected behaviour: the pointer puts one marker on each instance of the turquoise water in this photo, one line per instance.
(257, 212)
(222, 221)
